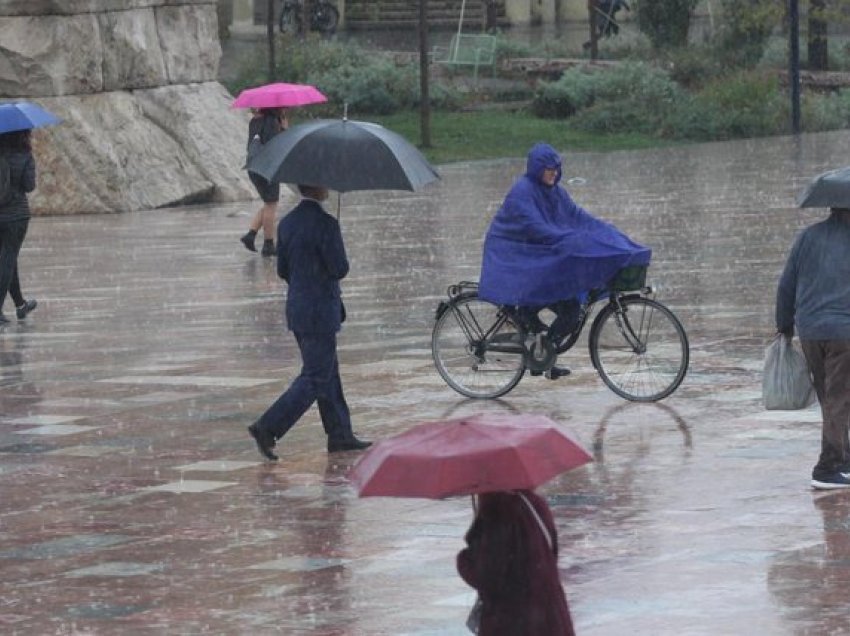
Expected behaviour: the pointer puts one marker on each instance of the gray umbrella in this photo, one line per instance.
(828, 190)
(343, 155)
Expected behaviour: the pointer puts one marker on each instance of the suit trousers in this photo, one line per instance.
(829, 363)
(318, 381)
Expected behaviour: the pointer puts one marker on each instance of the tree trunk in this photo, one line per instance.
(306, 14)
(424, 98)
(592, 44)
(817, 36)
(270, 38)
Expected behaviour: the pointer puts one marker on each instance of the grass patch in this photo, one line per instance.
(473, 136)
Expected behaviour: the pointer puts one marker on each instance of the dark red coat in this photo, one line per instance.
(511, 564)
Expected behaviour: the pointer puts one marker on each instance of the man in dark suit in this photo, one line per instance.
(311, 259)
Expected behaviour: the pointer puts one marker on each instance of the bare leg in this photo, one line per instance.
(266, 217)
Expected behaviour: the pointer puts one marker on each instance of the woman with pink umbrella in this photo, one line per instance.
(269, 104)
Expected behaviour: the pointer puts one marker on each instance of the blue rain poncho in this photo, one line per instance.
(541, 247)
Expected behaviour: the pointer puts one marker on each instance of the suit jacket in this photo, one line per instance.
(311, 259)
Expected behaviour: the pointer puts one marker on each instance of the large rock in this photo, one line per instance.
(74, 7)
(94, 52)
(132, 56)
(210, 134)
(50, 55)
(127, 151)
(189, 39)
(145, 124)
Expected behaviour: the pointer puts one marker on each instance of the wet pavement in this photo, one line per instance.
(134, 502)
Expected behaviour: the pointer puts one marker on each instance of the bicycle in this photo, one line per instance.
(636, 344)
(324, 17)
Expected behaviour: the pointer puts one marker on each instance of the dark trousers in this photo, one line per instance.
(567, 314)
(829, 363)
(12, 235)
(318, 381)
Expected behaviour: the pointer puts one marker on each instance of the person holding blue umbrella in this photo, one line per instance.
(17, 179)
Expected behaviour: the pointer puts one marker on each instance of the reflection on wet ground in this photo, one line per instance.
(133, 501)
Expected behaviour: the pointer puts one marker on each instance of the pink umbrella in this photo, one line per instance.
(279, 95)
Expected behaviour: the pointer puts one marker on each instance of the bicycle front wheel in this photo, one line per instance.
(641, 353)
(476, 349)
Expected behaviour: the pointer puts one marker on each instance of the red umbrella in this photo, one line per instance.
(279, 95)
(483, 453)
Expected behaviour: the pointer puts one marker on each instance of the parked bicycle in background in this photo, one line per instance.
(324, 17)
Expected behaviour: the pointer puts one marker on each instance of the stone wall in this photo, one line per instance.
(145, 123)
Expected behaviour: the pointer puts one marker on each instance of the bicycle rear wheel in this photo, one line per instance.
(476, 349)
(640, 353)
(325, 18)
(290, 19)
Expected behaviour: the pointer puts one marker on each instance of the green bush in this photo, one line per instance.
(632, 96)
(745, 27)
(694, 66)
(665, 22)
(826, 112)
(746, 104)
(562, 98)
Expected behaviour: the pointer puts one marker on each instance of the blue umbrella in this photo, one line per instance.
(24, 116)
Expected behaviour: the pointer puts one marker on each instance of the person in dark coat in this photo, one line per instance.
(265, 124)
(512, 561)
(311, 259)
(16, 151)
(813, 295)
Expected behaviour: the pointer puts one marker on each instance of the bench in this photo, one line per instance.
(468, 49)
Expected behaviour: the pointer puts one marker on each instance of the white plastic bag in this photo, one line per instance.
(786, 385)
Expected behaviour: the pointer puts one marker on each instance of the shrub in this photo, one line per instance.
(746, 104)
(826, 112)
(694, 66)
(745, 28)
(631, 97)
(571, 92)
(665, 22)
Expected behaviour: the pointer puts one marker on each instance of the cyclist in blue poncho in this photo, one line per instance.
(544, 251)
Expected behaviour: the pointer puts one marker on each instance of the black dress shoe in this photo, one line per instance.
(22, 311)
(337, 446)
(265, 441)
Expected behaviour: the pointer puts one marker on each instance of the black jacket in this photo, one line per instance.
(22, 181)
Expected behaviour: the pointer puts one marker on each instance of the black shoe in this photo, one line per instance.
(557, 372)
(265, 441)
(248, 241)
(3, 319)
(24, 309)
(338, 446)
(268, 249)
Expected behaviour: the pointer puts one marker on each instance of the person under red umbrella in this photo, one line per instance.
(512, 561)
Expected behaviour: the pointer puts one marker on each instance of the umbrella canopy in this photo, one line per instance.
(24, 116)
(483, 453)
(343, 155)
(828, 190)
(279, 95)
